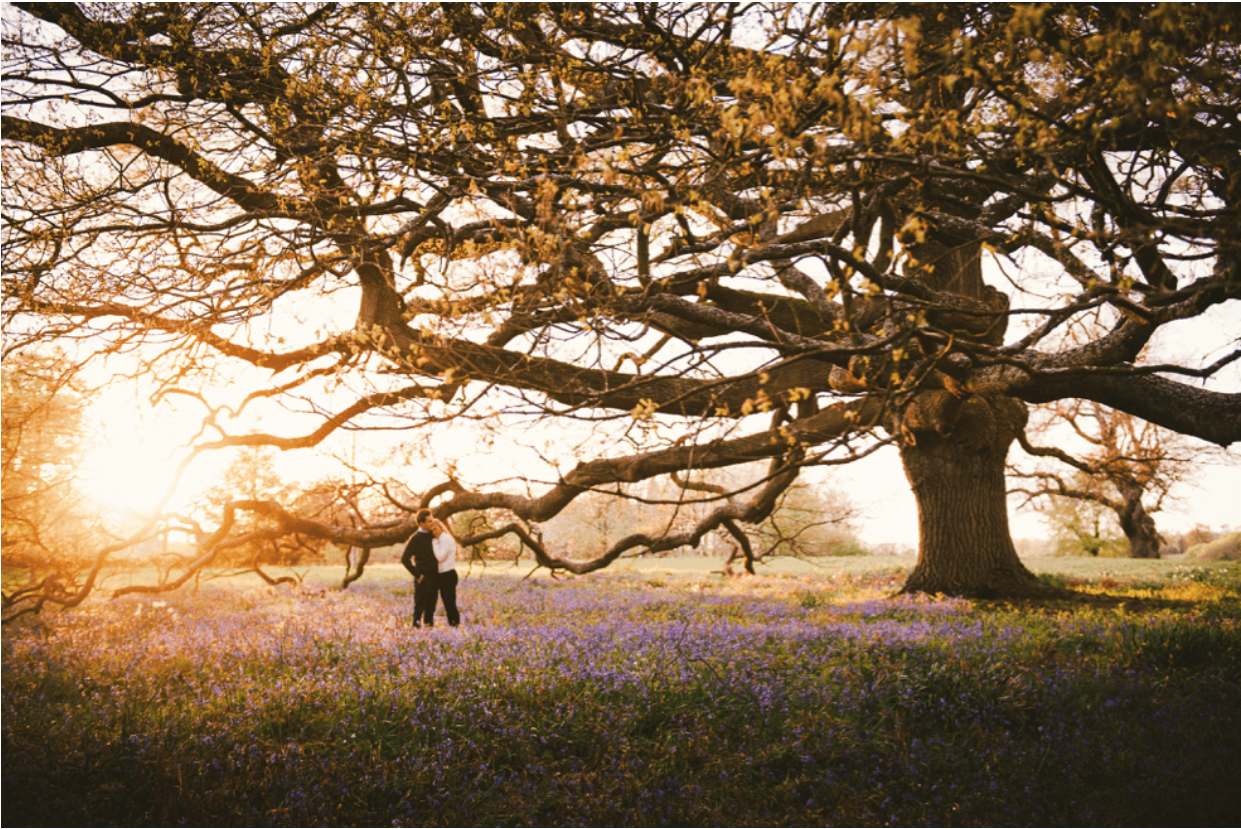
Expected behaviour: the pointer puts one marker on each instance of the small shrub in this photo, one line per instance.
(1227, 547)
(849, 547)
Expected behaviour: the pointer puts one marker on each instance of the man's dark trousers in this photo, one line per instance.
(426, 592)
(419, 560)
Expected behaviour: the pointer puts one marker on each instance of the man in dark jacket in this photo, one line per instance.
(419, 560)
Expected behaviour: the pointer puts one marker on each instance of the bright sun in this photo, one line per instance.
(135, 456)
(138, 449)
(125, 477)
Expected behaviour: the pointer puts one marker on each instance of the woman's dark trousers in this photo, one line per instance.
(448, 592)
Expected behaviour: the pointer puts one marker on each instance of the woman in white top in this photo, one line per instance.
(446, 554)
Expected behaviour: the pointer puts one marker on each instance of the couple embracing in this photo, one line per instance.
(431, 556)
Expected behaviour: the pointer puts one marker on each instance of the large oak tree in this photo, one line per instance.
(695, 216)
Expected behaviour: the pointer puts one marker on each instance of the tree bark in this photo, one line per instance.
(955, 464)
(1138, 526)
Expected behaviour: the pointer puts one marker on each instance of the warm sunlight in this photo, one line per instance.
(125, 477)
(138, 449)
(134, 458)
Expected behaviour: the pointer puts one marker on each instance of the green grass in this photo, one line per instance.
(1062, 568)
(657, 693)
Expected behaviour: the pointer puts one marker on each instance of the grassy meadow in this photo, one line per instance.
(657, 693)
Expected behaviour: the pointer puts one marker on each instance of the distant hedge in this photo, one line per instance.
(1225, 547)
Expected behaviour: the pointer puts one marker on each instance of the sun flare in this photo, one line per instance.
(134, 459)
(127, 476)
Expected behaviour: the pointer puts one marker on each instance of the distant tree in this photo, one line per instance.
(1127, 466)
(249, 477)
(811, 521)
(802, 521)
(50, 532)
(45, 436)
(258, 538)
(1200, 534)
(251, 474)
(722, 233)
(596, 520)
(1082, 450)
(1082, 527)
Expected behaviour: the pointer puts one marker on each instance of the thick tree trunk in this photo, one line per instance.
(954, 456)
(1139, 527)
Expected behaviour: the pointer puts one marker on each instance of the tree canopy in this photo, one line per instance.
(781, 232)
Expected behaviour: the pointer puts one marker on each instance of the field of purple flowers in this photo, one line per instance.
(626, 699)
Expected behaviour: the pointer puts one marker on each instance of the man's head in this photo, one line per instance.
(424, 519)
